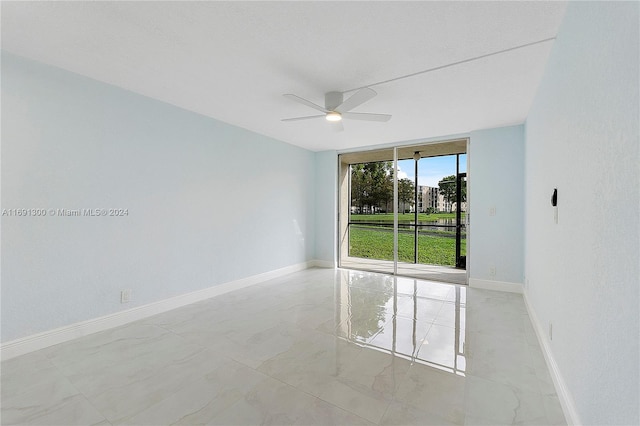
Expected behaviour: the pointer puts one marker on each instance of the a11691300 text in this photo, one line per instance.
(58, 212)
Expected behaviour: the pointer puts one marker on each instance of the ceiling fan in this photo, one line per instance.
(336, 108)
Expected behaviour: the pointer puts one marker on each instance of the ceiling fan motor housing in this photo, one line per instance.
(332, 100)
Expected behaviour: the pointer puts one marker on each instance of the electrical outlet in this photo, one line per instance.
(492, 211)
(125, 296)
(550, 331)
(492, 271)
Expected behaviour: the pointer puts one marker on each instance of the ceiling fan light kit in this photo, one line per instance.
(336, 108)
(333, 116)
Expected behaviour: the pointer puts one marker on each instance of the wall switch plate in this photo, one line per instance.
(125, 296)
(492, 271)
(492, 211)
(550, 331)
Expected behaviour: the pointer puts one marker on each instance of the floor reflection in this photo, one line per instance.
(420, 321)
(407, 352)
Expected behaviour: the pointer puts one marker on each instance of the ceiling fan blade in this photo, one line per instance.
(304, 102)
(366, 116)
(302, 118)
(358, 98)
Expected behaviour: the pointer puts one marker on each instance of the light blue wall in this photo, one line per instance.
(496, 180)
(326, 206)
(208, 202)
(582, 136)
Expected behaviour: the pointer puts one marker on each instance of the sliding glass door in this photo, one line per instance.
(403, 211)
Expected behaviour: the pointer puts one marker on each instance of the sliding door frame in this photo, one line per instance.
(344, 193)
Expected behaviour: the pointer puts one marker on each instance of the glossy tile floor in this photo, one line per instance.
(317, 347)
(421, 271)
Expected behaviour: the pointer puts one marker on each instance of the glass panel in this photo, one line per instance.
(430, 232)
(437, 219)
(371, 215)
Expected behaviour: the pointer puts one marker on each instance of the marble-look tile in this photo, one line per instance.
(493, 321)
(553, 410)
(319, 346)
(363, 328)
(323, 413)
(252, 324)
(439, 346)
(214, 321)
(20, 374)
(530, 334)
(330, 326)
(253, 349)
(126, 342)
(495, 302)
(97, 373)
(184, 314)
(402, 335)
(51, 403)
(476, 421)
(251, 339)
(418, 308)
(406, 414)
(118, 404)
(545, 383)
(503, 359)
(307, 315)
(270, 402)
(496, 403)
(199, 402)
(311, 363)
(378, 373)
(434, 391)
(438, 291)
(355, 398)
(212, 335)
(427, 309)
(367, 301)
(77, 411)
(542, 371)
(364, 280)
(451, 315)
(21, 364)
(407, 286)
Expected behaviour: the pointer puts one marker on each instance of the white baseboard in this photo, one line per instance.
(323, 264)
(566, 400)
(495, 285)
(73, 331)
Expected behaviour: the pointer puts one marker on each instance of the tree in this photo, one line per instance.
(358, 187)
(463, 191)
(381, 182)
(406, 193)
(371, 185)
(447, 188)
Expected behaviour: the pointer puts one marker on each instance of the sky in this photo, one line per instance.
(431, 170)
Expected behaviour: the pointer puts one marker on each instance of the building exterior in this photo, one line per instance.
(429, 197)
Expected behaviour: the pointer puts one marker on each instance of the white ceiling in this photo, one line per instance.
(234, 60)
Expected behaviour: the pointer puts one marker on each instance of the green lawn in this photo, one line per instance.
(378, 244)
